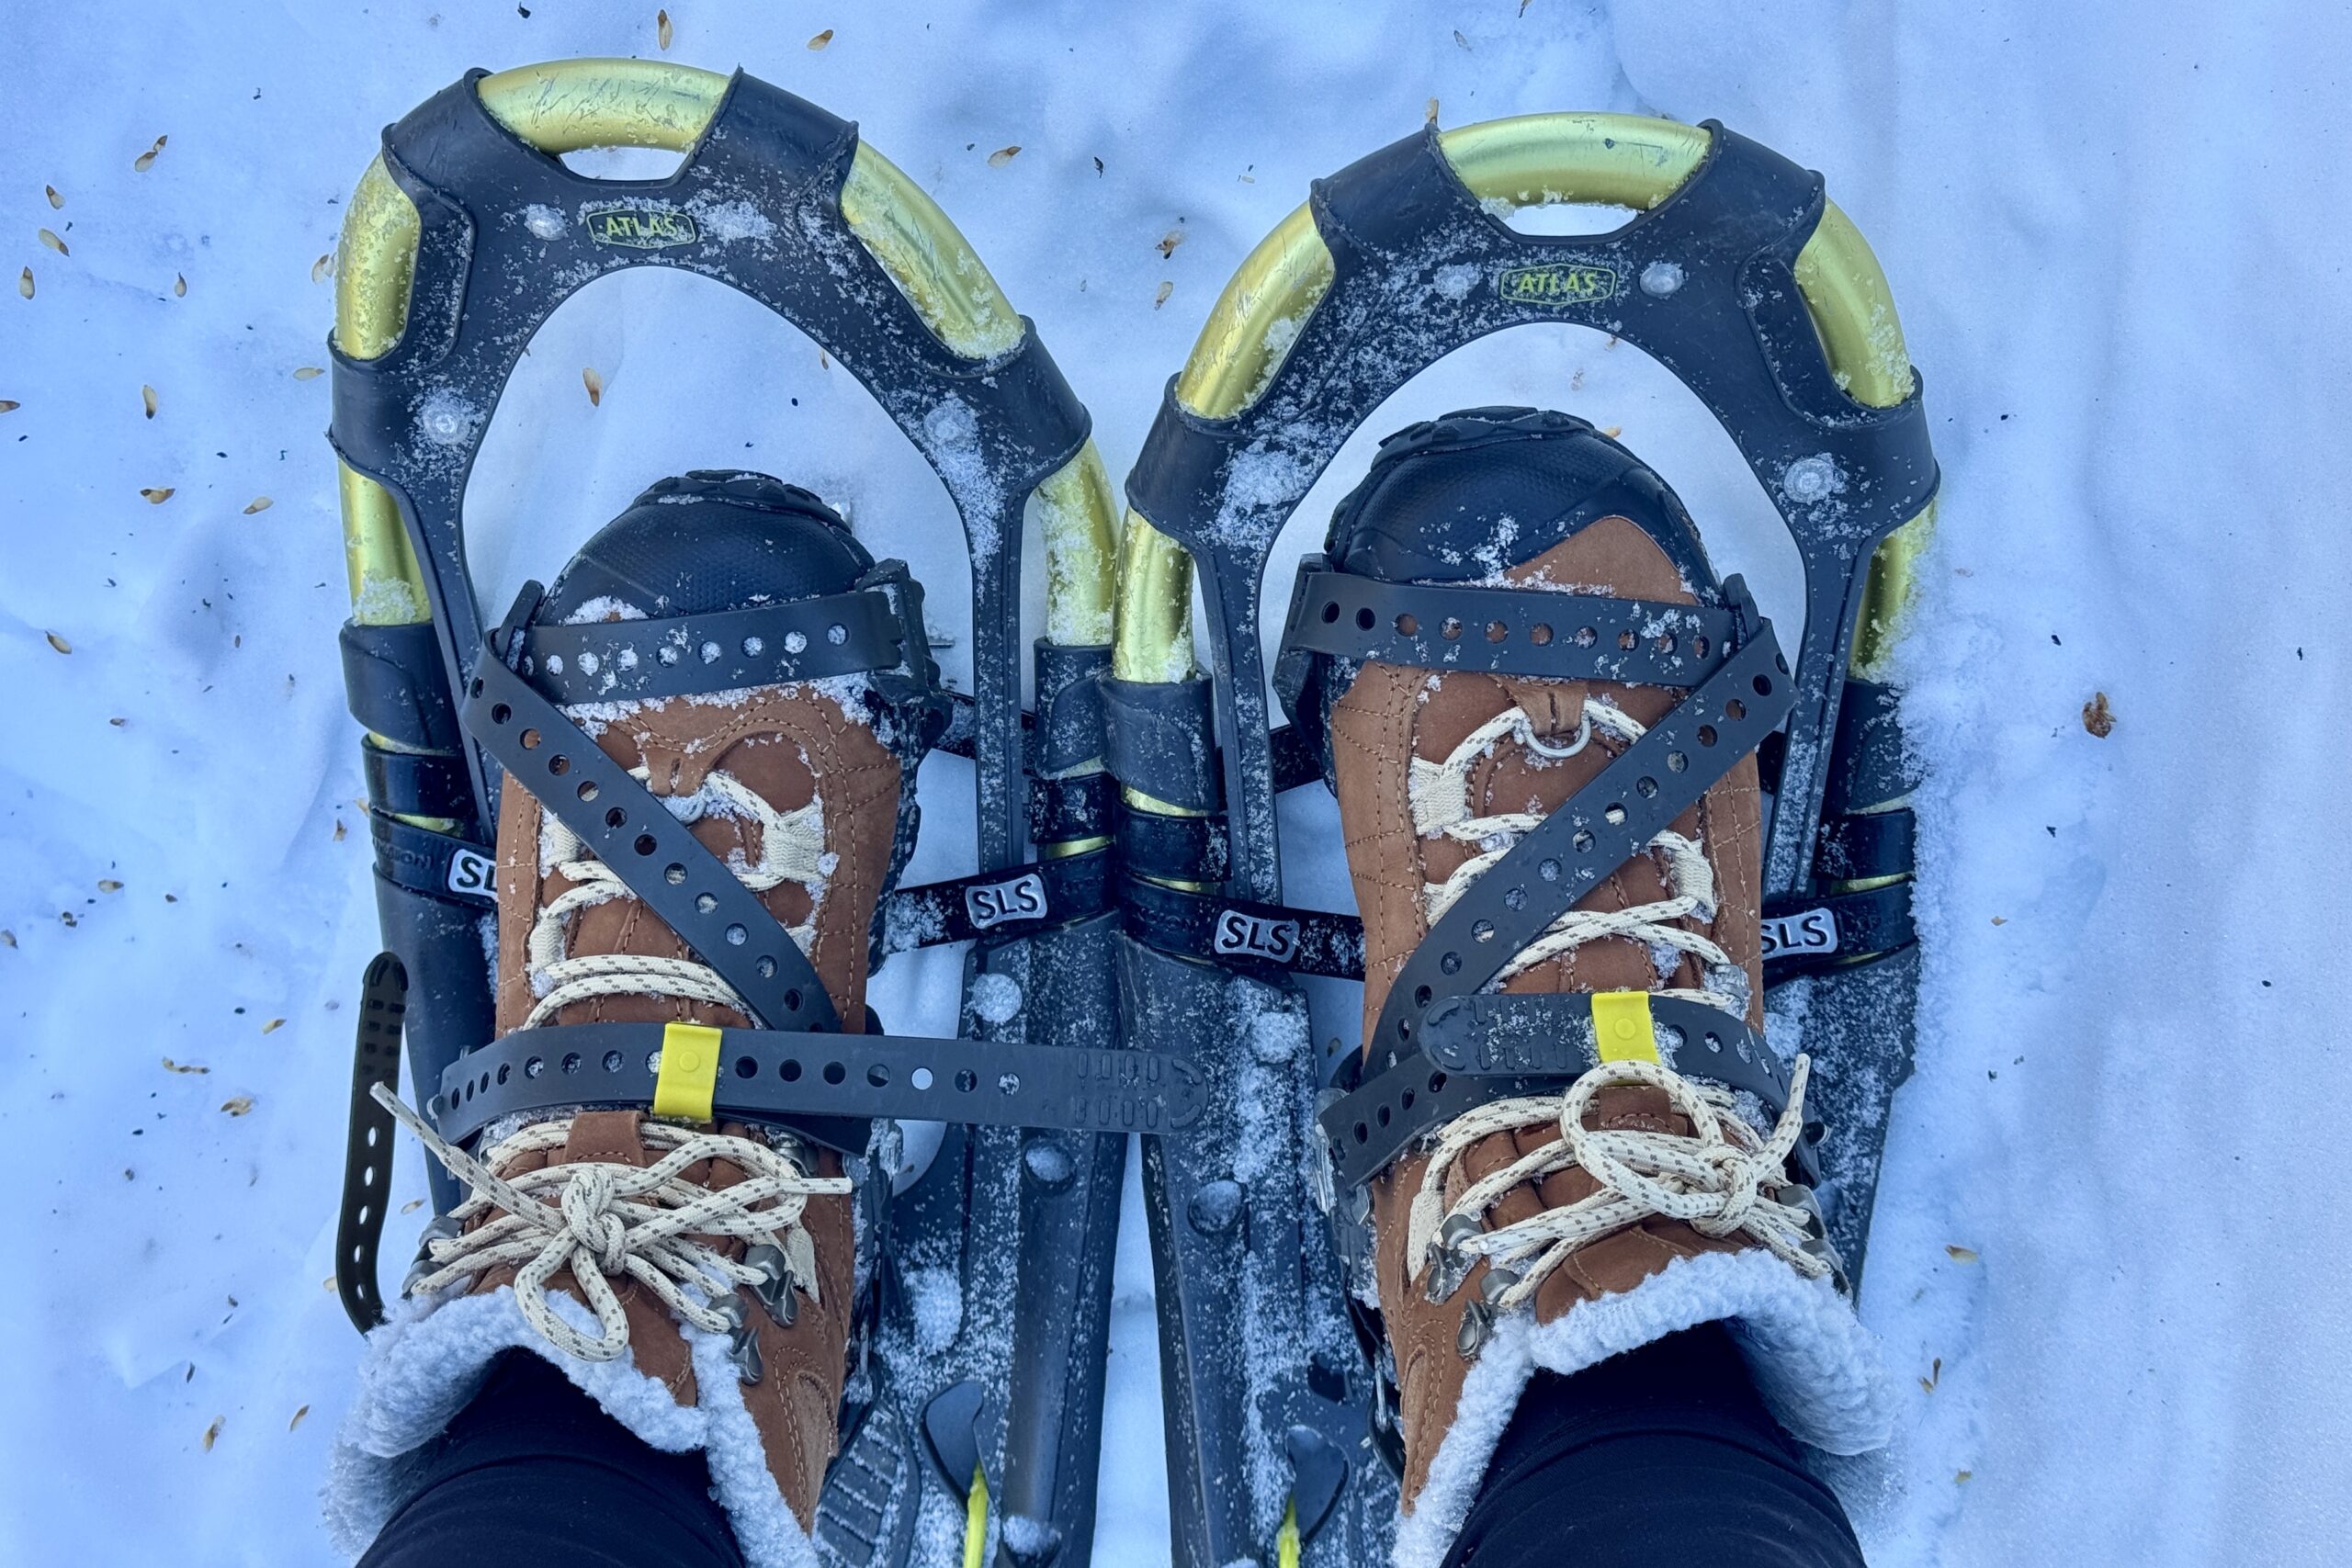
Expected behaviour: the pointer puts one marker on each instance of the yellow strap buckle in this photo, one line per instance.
(1621, 1026)
(689, 1074)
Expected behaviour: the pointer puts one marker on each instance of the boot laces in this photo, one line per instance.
(604, 1220)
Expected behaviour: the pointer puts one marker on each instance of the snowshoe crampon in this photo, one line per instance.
(976, 1395)
(1737, 276)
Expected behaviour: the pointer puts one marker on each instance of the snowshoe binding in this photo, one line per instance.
(722, 614)
(1739, 277)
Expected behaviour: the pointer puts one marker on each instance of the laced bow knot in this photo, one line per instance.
(588, 1218)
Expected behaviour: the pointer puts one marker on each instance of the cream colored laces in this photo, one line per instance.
(604, 1221)
(792, 849)
(1722, 1179)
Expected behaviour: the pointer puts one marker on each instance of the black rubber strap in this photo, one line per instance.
(367, 1151)
(839, 634)
(1585, 839)
(1172, 848)
(1803, 935)
(392, 676)
(1020, 901)
(1854, 849)
(1501, 1047)
(1236, 931)
(439, 865)
(1160, 739)
(661, 862)
(1508, 631)
(1070, 707)
(415, 784)
(1868, 764)
(768, 1076)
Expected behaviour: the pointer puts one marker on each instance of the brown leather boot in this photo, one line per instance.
(1501, 1244)
(698, 1280)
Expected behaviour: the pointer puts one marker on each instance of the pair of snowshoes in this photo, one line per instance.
(1130, 894)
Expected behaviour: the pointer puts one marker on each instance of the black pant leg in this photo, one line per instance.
(1661, 1457)
(533, 1474)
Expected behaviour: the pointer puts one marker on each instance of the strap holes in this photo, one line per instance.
(1451, 964)
(1676, 762)
(674, 874)
(653, 1061)
(1735, 709)
(1364, 1133)
(1330, 612)
(1409, 625)
(1449, 628)
(1627, 641)
(1383, 1116)
(754, 647)
(612, 1061)
(499, 712)
(366, 1211)
(558, 764)
(1421, 995)
(1715, 1041)
(837, 635)
(1365, 619)
(746, 1067)
(967, 1081)
(1699, 647)
(587, 790)
(1008, 1083)
(795, 642)
(1483, 930)
(1763, 684)
(1665, 644)
(1437, 1083)
(878, 1076)
(792, 997)
(1587, 637)
(835, 1072)
(1515, 898)
(737, 936)
(920, 1078)
(1548, 869)
(666, 654)
(1497, 631)
(367, 1173)
(1407, 1099)
(767, 968)
(1582, 841)
(1615, 814)
(505, 1068)
(616, 817)
(646, 844)
(1706, 735)
(475, 690)
(572, 1061)
(788, 1069)
(434, 1107)
(1781, 662)
(1540, 635)
(1645, 787)
(535, 1067)
(706, 902)
(530, 741)
(710, 652)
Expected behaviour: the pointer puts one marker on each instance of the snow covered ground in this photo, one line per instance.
(2118, 235)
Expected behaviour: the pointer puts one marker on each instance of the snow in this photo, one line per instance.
(2116, 234)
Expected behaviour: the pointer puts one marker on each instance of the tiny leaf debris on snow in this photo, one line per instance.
(298, 1417)
(54, 200)
(308, 372)
(1459, 39)
(212, 1433)
(59, 643)
(322, 268)
(1003, 155)
(339, 830)
(108, 885)
(259, 503)
(1166, 288)
(25, 283)
(273, 1026)
(411, 1206)
(2097, 717)
(147, 400)
(1960, 1477)
(1960, 1254)
(179, 285)
(238, 1104)
(1934, 1375)
(9, 405)
(662, 31)
(155, 495)
(48, 237)
(822, 40)
(172, 1066)
(596, 385)
(7, 938)
(1430, 114)
(146, 161)
(1169, 242)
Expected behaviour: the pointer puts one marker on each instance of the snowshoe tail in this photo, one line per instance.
(1739, 277)
(783, 202)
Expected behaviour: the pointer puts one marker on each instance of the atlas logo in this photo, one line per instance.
(641, 228)
(1578, 283)
(472, 874)
(1238, 935)
(1815, 931)
(1023, 899)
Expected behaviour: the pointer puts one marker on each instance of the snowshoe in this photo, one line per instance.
(1739, 277)
(973, 1421)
